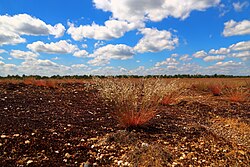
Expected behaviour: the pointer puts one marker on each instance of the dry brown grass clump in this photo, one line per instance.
(50, 83)
(237, 94)
(135, 101)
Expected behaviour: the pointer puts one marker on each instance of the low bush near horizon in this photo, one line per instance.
(135, 102)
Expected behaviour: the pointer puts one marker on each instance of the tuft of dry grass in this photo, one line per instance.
(50, 83)
(237, 94)
(216, 89)
(135, 101)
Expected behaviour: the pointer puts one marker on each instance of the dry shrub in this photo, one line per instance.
(216, 89)
(200, 86)
(40, 82)
(51, 83)
(135, 101)
(29, 81)
(237, 94)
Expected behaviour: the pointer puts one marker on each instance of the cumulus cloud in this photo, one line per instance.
(13, 27)
(214, 58)
(79, 66)
(229, 64)
(103, 54)
(233, 28)
(168, 62)
(245, 55)
(18, 54)
(61, 47)
(10, 38)
(3, 51)
(219, 51)
(154, 40)
(81, 53)
(200, 54)
(229, 68)
(240, 46)
(157, 10)
(111, 29)
(185, 58)
(238, 6)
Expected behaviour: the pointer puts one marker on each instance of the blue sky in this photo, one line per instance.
(113, 37)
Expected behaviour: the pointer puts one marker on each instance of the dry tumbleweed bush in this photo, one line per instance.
(135, 101)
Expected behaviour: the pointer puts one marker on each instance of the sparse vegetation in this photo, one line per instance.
(165, 122)
(136, 101)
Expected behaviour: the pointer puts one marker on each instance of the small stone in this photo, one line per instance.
(144, 145)
(87, 164)
(1, 144)
(16, 135)
(126, 164)
(67, 155)
(27, 142)
(29, 162)
(241, 152)
(56, 152)
(65, 160)
(32, 134)
(3, 136)
(174, 164)
(119, 162)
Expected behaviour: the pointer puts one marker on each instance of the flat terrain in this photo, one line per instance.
(69, 125)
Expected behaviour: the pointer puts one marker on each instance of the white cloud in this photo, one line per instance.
(13, 27)
(18, 54)
(154, 40)
(61, 47)
(104, 54)
(240, 46)
(98, 44)
(1, 58)
(1, 63)
(233, 28)
(79, 66)
(185, 58)
(140, 10)
(200, 54)
(10, 38)
(228, 68)
(168, 62)
(214, 58)
(238, 7)
(229, 64)
(174, 55)
(81, 53)
(219, 51)
(99, 61)
(245, 55)
(84, 46)
(3, 51)
(111, 29)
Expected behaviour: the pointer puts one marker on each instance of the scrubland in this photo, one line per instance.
(125, 122)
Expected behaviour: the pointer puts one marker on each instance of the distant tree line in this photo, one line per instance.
(122, 76)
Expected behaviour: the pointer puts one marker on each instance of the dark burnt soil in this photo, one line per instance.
(71, 126)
